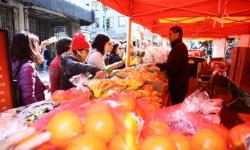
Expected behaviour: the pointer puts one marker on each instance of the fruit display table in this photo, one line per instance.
(131, 116)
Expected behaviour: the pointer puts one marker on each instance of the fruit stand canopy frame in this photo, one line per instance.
(198, 18)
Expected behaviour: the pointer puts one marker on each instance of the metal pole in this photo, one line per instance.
(128, 43)
(152, 39)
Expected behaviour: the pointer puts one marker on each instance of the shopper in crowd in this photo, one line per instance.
(101, 46)
(114, 56)
(62, 45)
(177, 66)
(73, 62)
(133, 59)
(26, 56)
(45, 53)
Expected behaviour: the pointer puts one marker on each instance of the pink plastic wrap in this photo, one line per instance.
(200, 103)
(76, 106)
(196, 112)
(80, 93)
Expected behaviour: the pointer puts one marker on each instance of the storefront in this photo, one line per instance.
(44, 18)
(8, 18)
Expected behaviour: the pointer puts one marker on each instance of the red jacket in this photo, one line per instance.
(55, 74)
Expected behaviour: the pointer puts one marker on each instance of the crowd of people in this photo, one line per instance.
(74, 56)
(77, 56)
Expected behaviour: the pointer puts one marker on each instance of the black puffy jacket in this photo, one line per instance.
(71, 67)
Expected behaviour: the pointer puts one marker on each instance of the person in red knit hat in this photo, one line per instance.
(73, 62)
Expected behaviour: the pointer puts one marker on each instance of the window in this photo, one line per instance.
(110, 22)
(122, 21)
(95, 5)
(60, 31)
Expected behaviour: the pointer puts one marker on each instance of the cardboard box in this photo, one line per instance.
(242, 70)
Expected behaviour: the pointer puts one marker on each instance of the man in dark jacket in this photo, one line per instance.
(177, 66)
(73, 62)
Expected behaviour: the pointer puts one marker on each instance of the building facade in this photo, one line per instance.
(106, 21)
(44, 18)
(115, 24)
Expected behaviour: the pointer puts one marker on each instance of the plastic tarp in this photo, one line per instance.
(198, 18)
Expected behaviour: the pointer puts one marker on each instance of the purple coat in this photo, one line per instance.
(31, 87)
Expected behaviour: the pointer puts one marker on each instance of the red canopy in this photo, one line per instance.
(198, 18)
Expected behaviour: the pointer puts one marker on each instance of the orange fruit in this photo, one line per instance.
(181, 141)
(118, 143)
(101, 125)
(98, 107)
(127, 103)
(207, 139)
(65, 125)
(223, 131)
(86, 142)
(155, 127)
(237, 136)
(59, 96)
(158, 142)
(127, 121)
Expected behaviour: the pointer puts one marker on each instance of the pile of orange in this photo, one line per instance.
(105, 129)
(99, 130)
(64, 126)
(238, 135)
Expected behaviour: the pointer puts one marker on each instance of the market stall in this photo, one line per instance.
(127, 110)
(124, 111)
(200, 18)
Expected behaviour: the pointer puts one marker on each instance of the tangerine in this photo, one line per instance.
(118, 143)
(207, 139)
(101, 125)
(237, 136)
(127, 103)
(97, 107)
(155, 127)
(158, 142)
(59, 96)
(86, 142)
(65, 125)
(181, 141)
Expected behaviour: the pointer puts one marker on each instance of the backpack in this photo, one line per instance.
(17, 102)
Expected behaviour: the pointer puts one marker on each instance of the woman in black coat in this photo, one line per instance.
(114, 56)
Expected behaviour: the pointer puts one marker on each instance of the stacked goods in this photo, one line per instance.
(124, 114)
(155, 55)
(140, 82)
(122, 123)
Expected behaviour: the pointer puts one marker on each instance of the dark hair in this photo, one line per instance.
(99, 42)
(177, 29)
(63, 45)
(25, 47)
(115, 46)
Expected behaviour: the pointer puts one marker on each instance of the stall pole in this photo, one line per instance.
(249, 41)
(128, 43)
(152, 40)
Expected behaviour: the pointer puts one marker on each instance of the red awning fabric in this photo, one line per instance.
(198, 18)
